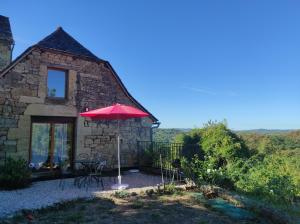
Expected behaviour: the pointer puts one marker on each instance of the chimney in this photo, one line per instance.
(6, 42)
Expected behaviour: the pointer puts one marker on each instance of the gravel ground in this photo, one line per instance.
(45, 193)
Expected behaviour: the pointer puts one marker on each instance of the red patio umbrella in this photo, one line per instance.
(116, 112)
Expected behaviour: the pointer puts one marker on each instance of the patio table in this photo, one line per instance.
(89, 171)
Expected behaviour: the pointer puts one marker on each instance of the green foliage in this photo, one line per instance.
(14, 174)
(204, 171)
(220, 142)
(270, 179)
(270, 143)
(121, 194)
(169, 188)
(276, 175)
(147, 157)
(167, 134)
(265, 165)
(190, 141)
(190, 138)
(220, 149)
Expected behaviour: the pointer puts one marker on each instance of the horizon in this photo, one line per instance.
(186, 63)
(257, 129)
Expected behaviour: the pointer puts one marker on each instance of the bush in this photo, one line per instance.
(263, 167)
(271, 180)
(169, 188)
(122, 194)
(220, 150)
(14, 174)
(191, 146)
(204, 172)
(146, 158)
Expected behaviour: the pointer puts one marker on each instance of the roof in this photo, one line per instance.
(5, 30)
(62, 41)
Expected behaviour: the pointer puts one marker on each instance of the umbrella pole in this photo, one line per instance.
(119, 185)
(119, 163)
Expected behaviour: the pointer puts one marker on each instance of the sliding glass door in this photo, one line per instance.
(51, 142)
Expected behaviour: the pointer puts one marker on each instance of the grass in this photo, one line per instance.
(174, 205)
(125, 207)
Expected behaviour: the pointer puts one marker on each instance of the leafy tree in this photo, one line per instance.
(264, 164)
(219, 147)
(218, 141)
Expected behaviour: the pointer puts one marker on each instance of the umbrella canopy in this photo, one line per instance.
(115, 112)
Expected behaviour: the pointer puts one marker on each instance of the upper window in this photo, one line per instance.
(56, 83)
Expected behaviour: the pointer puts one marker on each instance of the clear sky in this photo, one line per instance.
(186, 61)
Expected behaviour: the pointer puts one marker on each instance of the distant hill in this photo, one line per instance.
(168, 134)
(266, 131)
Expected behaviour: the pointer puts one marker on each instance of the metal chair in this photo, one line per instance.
(81, 169)
(96, 174)
(96, 156)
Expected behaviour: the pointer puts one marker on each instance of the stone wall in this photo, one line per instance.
(103, 138)
(91, 85)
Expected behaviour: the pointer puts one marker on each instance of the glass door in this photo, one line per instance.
(51, 143)
(40, 145)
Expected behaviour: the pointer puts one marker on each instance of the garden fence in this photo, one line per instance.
(170, 153)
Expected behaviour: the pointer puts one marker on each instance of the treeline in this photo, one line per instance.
(269, 143)
(258, 140)
(167, 134)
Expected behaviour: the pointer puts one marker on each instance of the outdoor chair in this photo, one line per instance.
(81, 170)
(96, 156)
(96, 175)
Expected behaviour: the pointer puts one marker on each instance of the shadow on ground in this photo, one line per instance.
(167, 209)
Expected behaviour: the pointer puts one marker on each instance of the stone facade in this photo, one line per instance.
(90, 84)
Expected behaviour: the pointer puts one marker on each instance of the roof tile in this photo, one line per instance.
(61, 40)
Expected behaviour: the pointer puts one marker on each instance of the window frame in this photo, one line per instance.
(51, 121)
(55, 98)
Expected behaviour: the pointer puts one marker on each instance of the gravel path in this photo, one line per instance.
(44, 193)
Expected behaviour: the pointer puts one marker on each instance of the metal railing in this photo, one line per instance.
(163, 154)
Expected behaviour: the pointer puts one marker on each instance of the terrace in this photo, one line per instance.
(157, 189)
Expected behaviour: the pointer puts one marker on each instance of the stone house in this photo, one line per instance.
(42, 93)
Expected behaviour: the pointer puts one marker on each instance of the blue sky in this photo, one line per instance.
(186, 61)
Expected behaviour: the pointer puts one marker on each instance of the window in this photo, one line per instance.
(56, 83)
(51, 142)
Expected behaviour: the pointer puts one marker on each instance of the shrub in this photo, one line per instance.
(220, 149)
(270, 180)
(149, 156)
(220, 142)
(122, 194)
(14, 174)
(191, 146)
(169, 188)
(268, 170)
(146, 158)
(205, 172)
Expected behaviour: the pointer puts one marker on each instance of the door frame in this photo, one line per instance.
(53, 120)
